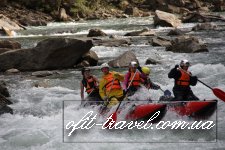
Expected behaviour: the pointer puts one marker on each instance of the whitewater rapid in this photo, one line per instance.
(38, 119)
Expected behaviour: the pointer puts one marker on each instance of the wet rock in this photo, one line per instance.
(62, 15)
(123, 60)
(44, 73)
(159, 41)
(43, 84)
(175, 32)
(48, 54)
(10, 44)
(3, 89)
(30, 21)
(144, 32)
(205, 26)
(95, 33)
(133, 11)
(111, 42)
(12, 71)
(151, 61)
(91, 57)
(166, 19)
(201, 17)
(4, 101)
(8, 23)
(187, 44)
(6, 109)
(83, 63)
(3, 50)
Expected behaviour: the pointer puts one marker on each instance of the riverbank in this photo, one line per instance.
(39, 13)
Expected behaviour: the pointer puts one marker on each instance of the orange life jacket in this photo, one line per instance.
(137, 79)
(90, 84)
(108, 86)
(184, 80)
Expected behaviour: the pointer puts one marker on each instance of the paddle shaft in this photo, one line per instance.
(126, 90)
(197, 79)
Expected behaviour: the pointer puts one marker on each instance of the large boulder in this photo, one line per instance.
(96, 32)
(49, 54)
(187, 44)
(10, 44)
(123, 60)
(166, 19)
(8, 23)
(144, 32)
(91, 57)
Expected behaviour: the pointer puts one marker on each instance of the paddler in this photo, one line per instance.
(133, 79)
(90, 83)
(110, 88)
(147, 81)
(183, 81)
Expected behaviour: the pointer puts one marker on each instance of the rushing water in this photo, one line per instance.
(37, 121)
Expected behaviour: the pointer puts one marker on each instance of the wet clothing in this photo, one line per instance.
(92, 90)
(110, 89)
(136, 83)
(182, 83)
(90, 84)
(150, 85)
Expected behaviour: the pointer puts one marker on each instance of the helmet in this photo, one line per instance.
(185, 63)
(133, 64)
(145, 70)
(84, 69)
(104, 65)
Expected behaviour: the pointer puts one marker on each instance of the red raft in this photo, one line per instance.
(195, 109)
(153, 111)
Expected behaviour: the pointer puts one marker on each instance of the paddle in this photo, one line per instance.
(114, 115)
(217, 92)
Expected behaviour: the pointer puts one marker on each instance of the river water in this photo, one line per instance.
(38, 119)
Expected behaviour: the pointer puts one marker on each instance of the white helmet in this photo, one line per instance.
(133, 64)
(184, 62)
(104, 65)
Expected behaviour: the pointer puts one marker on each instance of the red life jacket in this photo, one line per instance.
(137, 79)
(184, 79)
(108, 86)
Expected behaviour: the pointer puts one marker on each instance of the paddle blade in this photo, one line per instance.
(219, 93)
(111, 121)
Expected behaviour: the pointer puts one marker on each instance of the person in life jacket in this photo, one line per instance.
(90, 83)
(110, 89)
(183, 81)
(147, 81)
(134, 78)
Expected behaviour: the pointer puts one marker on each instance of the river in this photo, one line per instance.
(38, 123)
